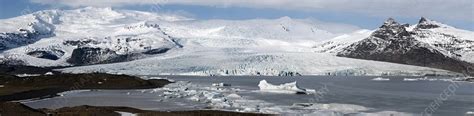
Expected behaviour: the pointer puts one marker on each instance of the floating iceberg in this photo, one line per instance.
(291, 88)
(419, 79)
(470, 113)
(126, 113)
(410, 79)
(220, 84)
(380, 79)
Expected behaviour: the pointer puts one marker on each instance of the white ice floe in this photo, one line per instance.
(380, 79)
(28, 75)
(410, 79)
(126, 113)
(147, 78)
(214, 97)
(386, 113)
(72, 92)
(235, 99)
(420, 79)
(48, 73)
(469, 113)
(331, 109)
(291, 88)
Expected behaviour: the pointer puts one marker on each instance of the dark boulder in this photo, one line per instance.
(89, 56)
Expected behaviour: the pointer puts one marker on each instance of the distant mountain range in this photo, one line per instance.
(134, 42)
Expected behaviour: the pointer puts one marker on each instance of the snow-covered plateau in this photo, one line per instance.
(143, 43)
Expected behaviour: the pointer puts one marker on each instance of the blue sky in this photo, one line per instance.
(365, 13)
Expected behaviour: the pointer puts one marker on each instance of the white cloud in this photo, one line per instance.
(445, 9)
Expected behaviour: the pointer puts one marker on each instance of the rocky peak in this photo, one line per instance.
(423, 20)
(425, 23)
(390, 22)
(391, 29)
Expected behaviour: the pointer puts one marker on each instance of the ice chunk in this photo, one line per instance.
(233, 95)
(28, 75)
(410, 79)
(149, 78)
(469, 113)
(419, 79)
(220, 84)
(48, 73)
(126, 113)
(380, 79)
(291, 88)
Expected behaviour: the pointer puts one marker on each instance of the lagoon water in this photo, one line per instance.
(397, 95)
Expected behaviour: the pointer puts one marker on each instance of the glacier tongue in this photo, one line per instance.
(225, 62)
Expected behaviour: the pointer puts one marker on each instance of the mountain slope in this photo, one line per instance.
(338, 43)
(449, 40)
(88, 36)
(85, 36)
(393, 43)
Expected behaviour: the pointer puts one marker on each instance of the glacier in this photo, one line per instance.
(141, 43)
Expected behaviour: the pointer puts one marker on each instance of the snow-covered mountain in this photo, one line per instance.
(136, 42)
(104, 35)
(84, 36)
(338, 43)
(427, 43)
(450, 41)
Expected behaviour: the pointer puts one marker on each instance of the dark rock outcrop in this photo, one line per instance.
(51, 55)
(426, 24)
(89, 55)
(79, 43)
(12, 40)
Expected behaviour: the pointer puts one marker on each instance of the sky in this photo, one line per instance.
(367, 14)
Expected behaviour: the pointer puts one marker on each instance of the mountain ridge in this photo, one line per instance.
(393, 43)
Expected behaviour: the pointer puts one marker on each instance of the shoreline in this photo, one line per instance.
(15, 109)
(14, 89)
(20, 88)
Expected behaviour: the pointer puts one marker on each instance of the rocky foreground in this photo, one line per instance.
(18, 109)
